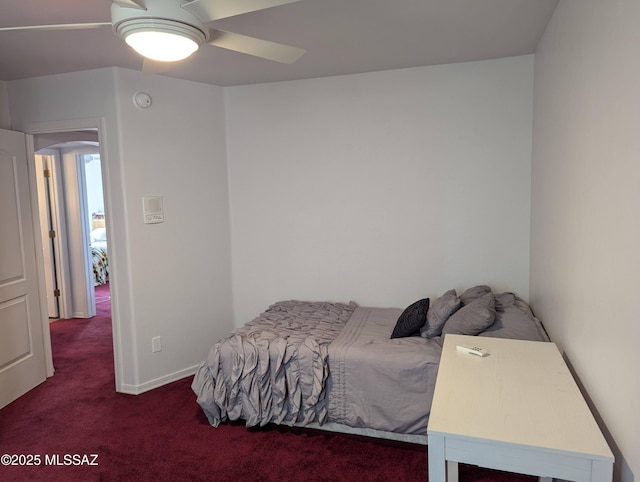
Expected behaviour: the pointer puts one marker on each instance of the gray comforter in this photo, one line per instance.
(300, 363)
(303, 363)
(381, 383)
(273, 369)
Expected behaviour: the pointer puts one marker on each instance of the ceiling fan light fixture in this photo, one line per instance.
(161, 40)
(162, 46)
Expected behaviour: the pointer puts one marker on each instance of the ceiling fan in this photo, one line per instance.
(171, 30)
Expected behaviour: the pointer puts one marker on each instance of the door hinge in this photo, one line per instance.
(52, 234)
(56, 292)
(47, 173)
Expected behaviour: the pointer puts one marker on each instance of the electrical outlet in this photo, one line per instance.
(156, 344)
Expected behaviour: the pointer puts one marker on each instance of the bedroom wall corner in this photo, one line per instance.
(585, 266)
(181, 268)
(5, 119)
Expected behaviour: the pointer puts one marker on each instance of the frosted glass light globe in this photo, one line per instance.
(161, 46)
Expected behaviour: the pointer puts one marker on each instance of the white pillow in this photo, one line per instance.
(99, 234)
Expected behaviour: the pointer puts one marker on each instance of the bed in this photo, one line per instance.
(99, 256)
(342, 367)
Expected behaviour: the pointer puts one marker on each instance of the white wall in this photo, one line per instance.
(181, 269)
(585, 262)
(381, 188)
(5, 122)
(172, 279)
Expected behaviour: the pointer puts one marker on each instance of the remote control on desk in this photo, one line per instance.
(472, 350)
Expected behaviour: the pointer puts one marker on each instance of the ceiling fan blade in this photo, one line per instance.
(130, 3)
(255, 46)
(61, 26)
(208, 10)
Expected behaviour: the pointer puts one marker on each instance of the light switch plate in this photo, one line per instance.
(152, 209)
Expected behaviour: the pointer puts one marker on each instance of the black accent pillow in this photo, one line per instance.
(412, 319)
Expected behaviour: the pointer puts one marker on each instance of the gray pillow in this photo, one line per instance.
(514, 319)
(504, 300)
(474, 293)
(439, 312)
(473, 318)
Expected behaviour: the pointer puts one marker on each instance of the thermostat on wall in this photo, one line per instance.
(152, 208)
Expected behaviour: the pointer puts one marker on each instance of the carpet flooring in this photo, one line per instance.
(74, 426)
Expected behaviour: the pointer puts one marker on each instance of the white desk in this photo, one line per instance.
(517, 409)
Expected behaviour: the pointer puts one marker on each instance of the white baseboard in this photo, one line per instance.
(158, 382)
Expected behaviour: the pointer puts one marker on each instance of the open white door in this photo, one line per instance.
(22, 359)
(48, 225)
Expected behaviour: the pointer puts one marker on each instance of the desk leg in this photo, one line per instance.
(436, 461)
(452, 471)
(601, 471)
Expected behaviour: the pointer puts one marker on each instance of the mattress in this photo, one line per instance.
(329, 364)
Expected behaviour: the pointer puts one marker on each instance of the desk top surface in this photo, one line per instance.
(521, 393)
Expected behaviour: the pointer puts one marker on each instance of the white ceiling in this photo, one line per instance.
(340, 37)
